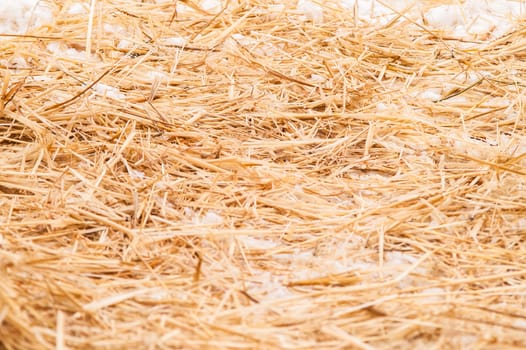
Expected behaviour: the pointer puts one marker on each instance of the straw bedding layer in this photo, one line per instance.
(266, 183)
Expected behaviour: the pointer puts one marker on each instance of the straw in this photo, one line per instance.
(248, 177)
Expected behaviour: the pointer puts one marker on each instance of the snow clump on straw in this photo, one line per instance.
(311, 10)
(16, 17)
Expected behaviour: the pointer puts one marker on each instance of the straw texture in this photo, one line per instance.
(173, 177)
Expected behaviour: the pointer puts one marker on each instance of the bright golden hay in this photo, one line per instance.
(251, 179)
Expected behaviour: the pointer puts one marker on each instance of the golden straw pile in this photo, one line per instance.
(254, 179)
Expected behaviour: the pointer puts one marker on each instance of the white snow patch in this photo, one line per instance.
(124, 44)
(397, 258)
(177, 41)
(180, 7)
(463, 143)
(77, 9)
(444, 16)
(267, 286)
(298, 188)
(469, 19)
(210, 218)
(381, 107)
(467, 341)
(58, 51)
(212, 6)
(75, 54)
(372, 11)
(114, 29)
(136, 174)
(430, 94)
(18, 16)
(307, 265)
(158, 295)
(258, 47)
(154, 75)
(520, 324)
(108, 91)
(468, 77)
(275, 8)
(311, 10)
(434, 294)
(243, 40)
(254, 243)
(475, 19)
(41, 78)
(316, 78)
(15, 62)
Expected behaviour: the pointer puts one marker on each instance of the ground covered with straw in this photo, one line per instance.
(254, 177)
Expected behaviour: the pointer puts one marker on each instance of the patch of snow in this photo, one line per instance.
(54, 47)
(258, 47)
(435, 294)
(212, 6)
(158, 295)
(521, 323)
(444, 16)
(253, 243)
(465, 144)
(15, 62)
(108, 91)
(397, 258)
(41, 78)
(381, 107)
(468, 77)
(430, 94)
(114, 29)
(177, 41)
(243, 40)
(278, 292)
(77, 9)
(58, 51)
(307, 265)
(372, 11)
(154, 75)
(18, 16)
(267, 286)
(124, 44)
(467, 341)
(312, 11)
(469, 19)
(210, 218)
(475, 19)
(75, 54)
(275, 8)
(180, 7)
(316, 78)
(136, 174)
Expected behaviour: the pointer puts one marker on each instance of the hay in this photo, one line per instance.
(253, 176)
